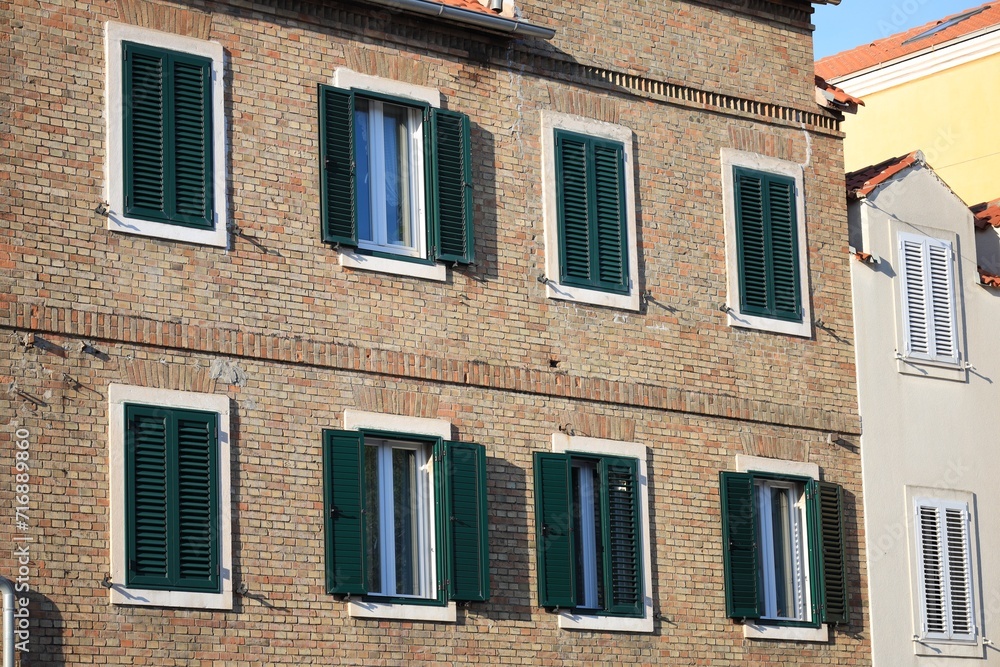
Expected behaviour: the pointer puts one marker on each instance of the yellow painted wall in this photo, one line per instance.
(951, 116)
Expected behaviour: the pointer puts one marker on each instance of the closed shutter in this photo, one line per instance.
(928, 297)
(197, 503)
(338, 198)
(168, 136)
(784, 248)
(609, 212)
(832, 552)
(945, 570)
(739, 534)
(466, 521)
(343, 456)
(147, 496)
(554, 531)
(623, 542)
(452, 194)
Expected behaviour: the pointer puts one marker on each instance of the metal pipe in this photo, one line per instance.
(468, 17)
(8, 622)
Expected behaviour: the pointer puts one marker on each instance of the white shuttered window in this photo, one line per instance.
(927, 272)
(944, 568)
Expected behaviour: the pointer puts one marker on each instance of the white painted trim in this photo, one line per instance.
(960, 51)
(731, 158)
(785, 633)
(118, 396)
(551, 121)
(402, 612)
(348, 78)
(745, 463)
(114, 165)
(396, 267)
(355, 420)
(561, 444)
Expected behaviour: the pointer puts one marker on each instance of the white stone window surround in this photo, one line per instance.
(751, 630)
(552, 121)
(114, 166)
(349, 79)
(931, 647)
(118, 396)
(731, 158)
(562, 444)
(356, 420)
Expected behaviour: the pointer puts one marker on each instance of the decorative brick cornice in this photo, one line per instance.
(273, 347)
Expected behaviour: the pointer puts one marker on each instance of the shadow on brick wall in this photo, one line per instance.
(45, 641)
(511, 544)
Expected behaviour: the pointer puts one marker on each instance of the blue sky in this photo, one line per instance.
(856, 22)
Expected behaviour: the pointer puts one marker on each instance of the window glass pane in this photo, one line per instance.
(398, 158)
(783, 568)
(362, 161)
(586, 533)
(405, 526)
(372, 522)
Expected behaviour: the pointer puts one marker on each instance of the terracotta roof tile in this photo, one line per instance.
(864, 181)
(987, 278)
(899, 45)
(471, 5)
(987, 214)
(839, 95)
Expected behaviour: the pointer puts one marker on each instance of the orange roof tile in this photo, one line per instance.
(839, 94)
(987, 278)
(904, 44)
(471, 5)
(987, 214)
(864, 181)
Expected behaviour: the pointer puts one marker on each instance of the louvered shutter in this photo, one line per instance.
(452, 195)
(466, 522)
(623, 542)
(832, 552)
(343, 458)
(945, 570)
(609, 213)
(739, 534)
(928, 296)
(146, 499)
(168, 136)
(574, 224)
(784, 248)
(197, 501)
(554, 531)
(750, 232)
(338, 180)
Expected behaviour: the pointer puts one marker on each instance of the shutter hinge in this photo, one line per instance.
(132, 565)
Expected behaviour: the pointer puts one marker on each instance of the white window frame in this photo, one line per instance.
(934, 644)
(764, 630)
(927, 245)
(735, 317)
(114, 166)
(118, 396)
(356, 420)
(550, 122)
(349, 79)
(562, 444)
(803, 579)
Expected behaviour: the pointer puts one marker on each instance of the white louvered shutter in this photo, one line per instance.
(928, 295)
(945, 570)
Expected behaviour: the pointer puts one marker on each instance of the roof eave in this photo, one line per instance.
(468, 17)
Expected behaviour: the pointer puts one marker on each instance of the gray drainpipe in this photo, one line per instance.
(8, 622)
(487, 21)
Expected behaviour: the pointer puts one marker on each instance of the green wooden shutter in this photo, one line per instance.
(466, 522)
(784, 248)
(622, 536)
(343, 457)
(167, 123)
(197, 500)
(554, 531)
(832, 551)
(609, 214)
(337, 168)
(739, 535)
(752, 241)
(574, 209)
(146, 503)
(452, 196)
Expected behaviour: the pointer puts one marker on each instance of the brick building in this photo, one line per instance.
(340, 333)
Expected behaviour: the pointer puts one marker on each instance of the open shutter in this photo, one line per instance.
(197, 546)
(574, 210)
(554, 531)
(192, 141)
(146, 499)
(466, 522)
(343, 457)
(609, 207)
(784, 254)
(832, 553)
(337, 167)
(452, 196)
(739, 534)
(623, 542)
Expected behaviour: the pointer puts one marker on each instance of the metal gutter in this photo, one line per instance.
(496, 23)
(8, 622)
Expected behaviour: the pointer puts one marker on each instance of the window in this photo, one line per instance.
(784, 551)
(170, 505)
(592, 534)
(944, 570)
(765, 244)
(927, 284)
(396, 176)
(590, 228)
(166, 136)
(405, 517)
